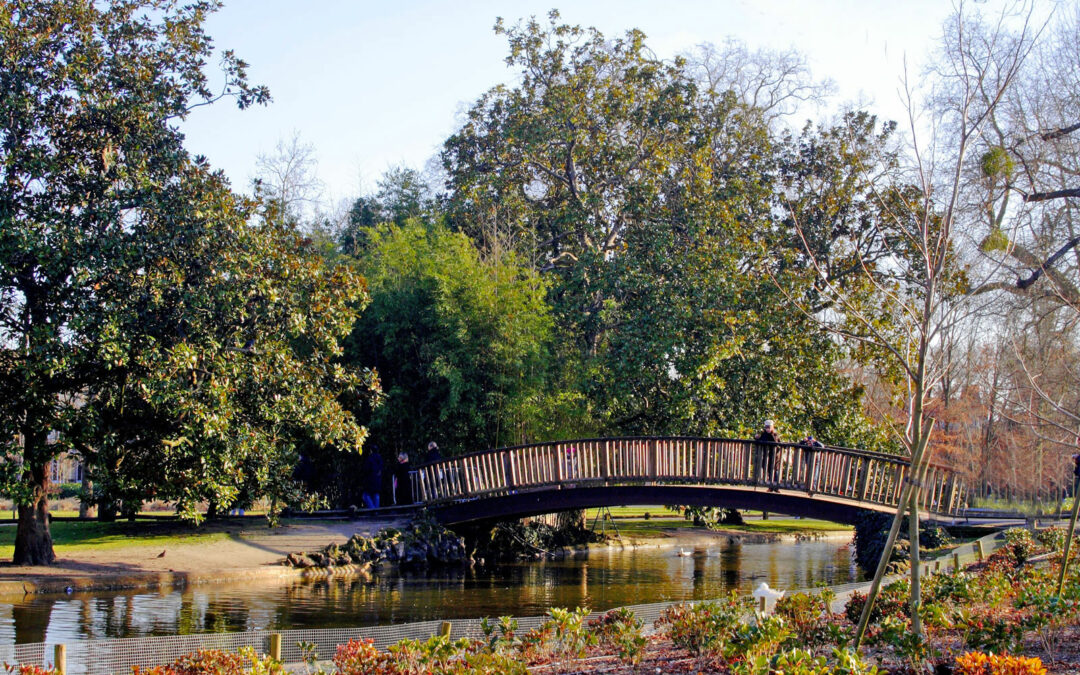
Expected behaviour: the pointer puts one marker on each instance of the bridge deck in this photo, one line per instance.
(858, 478)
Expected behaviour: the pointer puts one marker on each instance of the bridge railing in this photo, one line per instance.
(862, 476)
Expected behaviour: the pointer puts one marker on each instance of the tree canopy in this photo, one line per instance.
(143, 316)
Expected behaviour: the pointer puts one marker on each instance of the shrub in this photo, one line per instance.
(702, 628)
(1020, 544)
(849, 662)
(803, 613)
(505, 641)
(437, 654)
(760, 640)
(485, 663)
(217, 662)
(977, 663)
(362, 657)
(799, 662)
(892, 601)
(1052, 538)
(951, 585)
(567, 634)
(620, 630)
(29, 669)
(982, 631)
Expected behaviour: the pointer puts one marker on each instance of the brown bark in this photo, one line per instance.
(33, 541)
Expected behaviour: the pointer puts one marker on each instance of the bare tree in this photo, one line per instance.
(288, 178)
(773, 84)
(907, 303)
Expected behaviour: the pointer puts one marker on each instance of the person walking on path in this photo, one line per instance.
(373, 471)
(766, 465)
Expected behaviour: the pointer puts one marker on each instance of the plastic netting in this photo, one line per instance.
(102, 657)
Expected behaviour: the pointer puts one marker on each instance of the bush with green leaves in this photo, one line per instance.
(891, 601)
(1051, 538)
(1020, 544)
(804, 614)
(567, 637)
(216, 662)
(620, 630)
(703, 628)
(762, 638)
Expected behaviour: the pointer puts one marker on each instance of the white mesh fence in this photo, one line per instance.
(102, 657)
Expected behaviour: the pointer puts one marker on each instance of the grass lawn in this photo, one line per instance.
(70, 536)
(631, 521)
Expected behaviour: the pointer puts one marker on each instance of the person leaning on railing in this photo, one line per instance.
(809, 445)
(766, 465)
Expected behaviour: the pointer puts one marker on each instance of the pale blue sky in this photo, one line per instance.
(375, 84)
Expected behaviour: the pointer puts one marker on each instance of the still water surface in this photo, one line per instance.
(600, 581)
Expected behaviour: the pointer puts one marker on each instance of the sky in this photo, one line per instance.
(376, 84)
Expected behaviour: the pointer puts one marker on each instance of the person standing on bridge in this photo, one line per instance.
(766, 465)
(402, 480)
(373, 470)
(809, 445)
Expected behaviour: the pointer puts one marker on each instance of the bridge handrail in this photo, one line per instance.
(870, 454)
(865, 476)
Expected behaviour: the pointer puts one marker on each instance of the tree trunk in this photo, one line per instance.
(33, 541)
(87, 490)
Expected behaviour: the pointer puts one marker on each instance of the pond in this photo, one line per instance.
(601, 580)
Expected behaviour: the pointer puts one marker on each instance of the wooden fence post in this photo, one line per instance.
(60, 658)
(275, 646)
(444, 629)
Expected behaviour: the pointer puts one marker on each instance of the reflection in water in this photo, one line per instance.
(605, 579)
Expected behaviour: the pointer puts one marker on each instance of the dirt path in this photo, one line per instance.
(249, 551)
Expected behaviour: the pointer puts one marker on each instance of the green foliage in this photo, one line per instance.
(1052, 538)
(158, 325)
(703, 628)
(997, 163)
(620, 630)
(505, 640)
(646, 199)
(995, 241)
(568, 637)
(799, 662)
(1020, 545)
(804, 615)
(892, 601)
(216, 662)
(460, 341)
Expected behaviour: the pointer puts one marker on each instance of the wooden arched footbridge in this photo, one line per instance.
(830, 483)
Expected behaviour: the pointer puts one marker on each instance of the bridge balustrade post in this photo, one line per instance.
(557, 453)
(702, 461)
(864, 477)
(652, 459)
(952, 494)
(607, 460)
(751, 462)
(811, 468)
(508, 468)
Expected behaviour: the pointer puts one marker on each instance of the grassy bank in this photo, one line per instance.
(646, 522)
(70, 537)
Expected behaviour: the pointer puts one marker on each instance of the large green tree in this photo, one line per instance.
(647, 196)
(221, 337)
(133, 290)
(460, 341)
